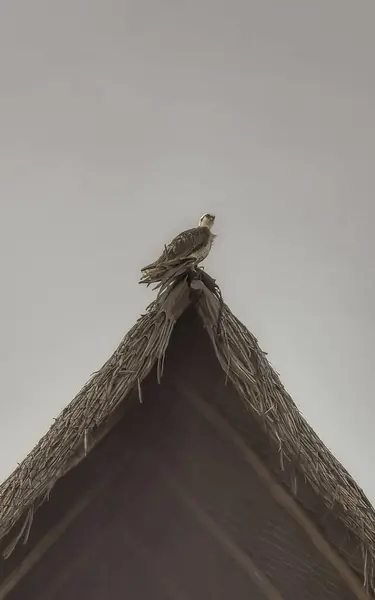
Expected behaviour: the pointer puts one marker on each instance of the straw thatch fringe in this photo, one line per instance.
(260, 388)
(143, 347)
(244, 364)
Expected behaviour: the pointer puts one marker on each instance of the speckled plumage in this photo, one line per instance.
(193, 243)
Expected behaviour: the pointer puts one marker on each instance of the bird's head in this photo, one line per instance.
(206, 220)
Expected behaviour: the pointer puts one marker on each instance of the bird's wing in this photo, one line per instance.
(183, 245)
(187, 242)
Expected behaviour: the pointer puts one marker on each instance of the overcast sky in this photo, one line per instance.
(121, 122)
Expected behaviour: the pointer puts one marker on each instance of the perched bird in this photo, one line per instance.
(191, 246)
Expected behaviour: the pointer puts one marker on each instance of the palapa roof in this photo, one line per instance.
(72, 435)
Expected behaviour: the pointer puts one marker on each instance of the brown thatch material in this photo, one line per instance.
(244, 363)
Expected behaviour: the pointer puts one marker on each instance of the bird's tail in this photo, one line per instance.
(151, 269)
(158, 271)
(154, 266)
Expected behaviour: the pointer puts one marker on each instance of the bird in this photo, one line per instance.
(191, 246)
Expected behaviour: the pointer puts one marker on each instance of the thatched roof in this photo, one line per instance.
(245, 364)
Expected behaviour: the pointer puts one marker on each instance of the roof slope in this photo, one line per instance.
(245, 364)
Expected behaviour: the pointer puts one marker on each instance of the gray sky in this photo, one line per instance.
(120, 123)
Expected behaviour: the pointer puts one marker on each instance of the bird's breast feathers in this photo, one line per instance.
(201, 252)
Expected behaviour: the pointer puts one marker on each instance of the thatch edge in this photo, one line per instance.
(260, 387)
(245, 366)
(67, 439)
